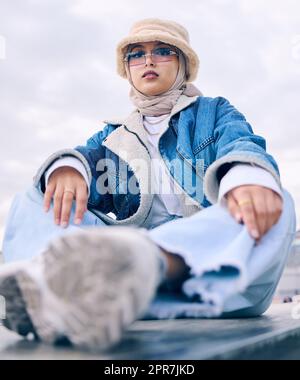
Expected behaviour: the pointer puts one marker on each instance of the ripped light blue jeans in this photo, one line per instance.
(230, 275)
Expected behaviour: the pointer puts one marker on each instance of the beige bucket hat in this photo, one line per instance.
(153, 29)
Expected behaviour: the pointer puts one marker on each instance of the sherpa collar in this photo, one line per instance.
(134, 122)
(127, 146)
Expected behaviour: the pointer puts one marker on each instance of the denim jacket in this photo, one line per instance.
(204, 137)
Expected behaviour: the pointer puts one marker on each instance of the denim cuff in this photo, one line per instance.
(212, 183)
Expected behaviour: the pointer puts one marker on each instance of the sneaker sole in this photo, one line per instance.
(99, 282)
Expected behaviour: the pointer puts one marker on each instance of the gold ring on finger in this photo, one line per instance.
(69, 191)
(244, 202)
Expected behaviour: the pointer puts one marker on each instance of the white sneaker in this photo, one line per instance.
(86, 288)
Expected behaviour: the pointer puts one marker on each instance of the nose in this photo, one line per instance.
(148, 58)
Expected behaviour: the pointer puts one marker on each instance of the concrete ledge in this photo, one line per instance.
(275, 335)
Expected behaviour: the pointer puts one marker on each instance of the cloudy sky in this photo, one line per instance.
(58, 79)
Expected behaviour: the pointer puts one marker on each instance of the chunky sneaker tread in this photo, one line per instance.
(17, 319)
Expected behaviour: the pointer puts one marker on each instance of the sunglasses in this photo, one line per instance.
(158, 55)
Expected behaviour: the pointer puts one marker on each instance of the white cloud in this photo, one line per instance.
(97, 10)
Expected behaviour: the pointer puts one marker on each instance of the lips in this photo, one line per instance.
(150, 74)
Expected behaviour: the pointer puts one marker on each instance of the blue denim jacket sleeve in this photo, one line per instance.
(89, 155)
(93, 152)
(235, 142)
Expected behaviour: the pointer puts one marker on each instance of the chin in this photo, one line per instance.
(152, 92)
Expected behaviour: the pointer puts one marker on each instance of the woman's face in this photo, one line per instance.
(166, 71)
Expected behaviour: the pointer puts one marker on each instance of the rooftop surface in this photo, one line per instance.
(275, 335)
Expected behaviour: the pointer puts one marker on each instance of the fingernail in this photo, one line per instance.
(46, 209)
(77, 221)
(57, 221)
(64, 224)
(255, 234)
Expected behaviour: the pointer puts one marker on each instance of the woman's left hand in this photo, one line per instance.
(258, 207)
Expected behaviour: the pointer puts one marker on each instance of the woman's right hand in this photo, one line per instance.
(66, 184)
